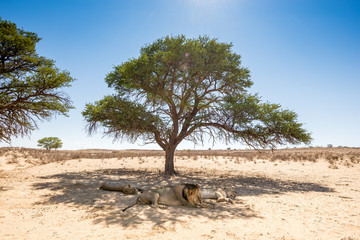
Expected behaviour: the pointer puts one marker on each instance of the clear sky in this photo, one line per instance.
(302, 54)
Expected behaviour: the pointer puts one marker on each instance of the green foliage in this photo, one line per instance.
(30, 85)
(261, 124)
(181, 88)
(50, 143)
(116, 113)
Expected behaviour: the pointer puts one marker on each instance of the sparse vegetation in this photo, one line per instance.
(50, 143)
(335, 156)
(61, 189)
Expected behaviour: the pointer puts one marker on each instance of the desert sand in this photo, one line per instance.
(275, 200)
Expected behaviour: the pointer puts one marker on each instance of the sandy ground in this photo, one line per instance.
(275, 200)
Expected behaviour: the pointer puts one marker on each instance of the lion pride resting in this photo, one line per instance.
(181, 195)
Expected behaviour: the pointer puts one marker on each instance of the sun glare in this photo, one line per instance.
(206, 5)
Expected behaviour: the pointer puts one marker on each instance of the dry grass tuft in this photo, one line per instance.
(335, 156)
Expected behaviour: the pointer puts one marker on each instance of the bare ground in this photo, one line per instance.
(275, 200)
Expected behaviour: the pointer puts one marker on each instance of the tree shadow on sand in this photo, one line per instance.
(81, 190)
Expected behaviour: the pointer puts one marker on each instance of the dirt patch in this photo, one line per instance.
(275, 200)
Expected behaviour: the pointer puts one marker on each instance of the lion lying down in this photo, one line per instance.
(126, 188)
(220, 194)
(181, 195)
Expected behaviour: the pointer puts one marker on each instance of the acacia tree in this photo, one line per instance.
(30, 85)
(185, 89)
(50, 143)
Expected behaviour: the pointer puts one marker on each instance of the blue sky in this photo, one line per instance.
(302, 54)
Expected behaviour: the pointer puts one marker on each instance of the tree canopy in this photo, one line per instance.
(30, 85)
(185, 89)
(50, 143)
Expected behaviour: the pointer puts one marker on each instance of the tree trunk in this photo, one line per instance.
(169, 160)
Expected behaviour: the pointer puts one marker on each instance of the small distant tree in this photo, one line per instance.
(50, 143)
(185, 89)
(30, 85)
